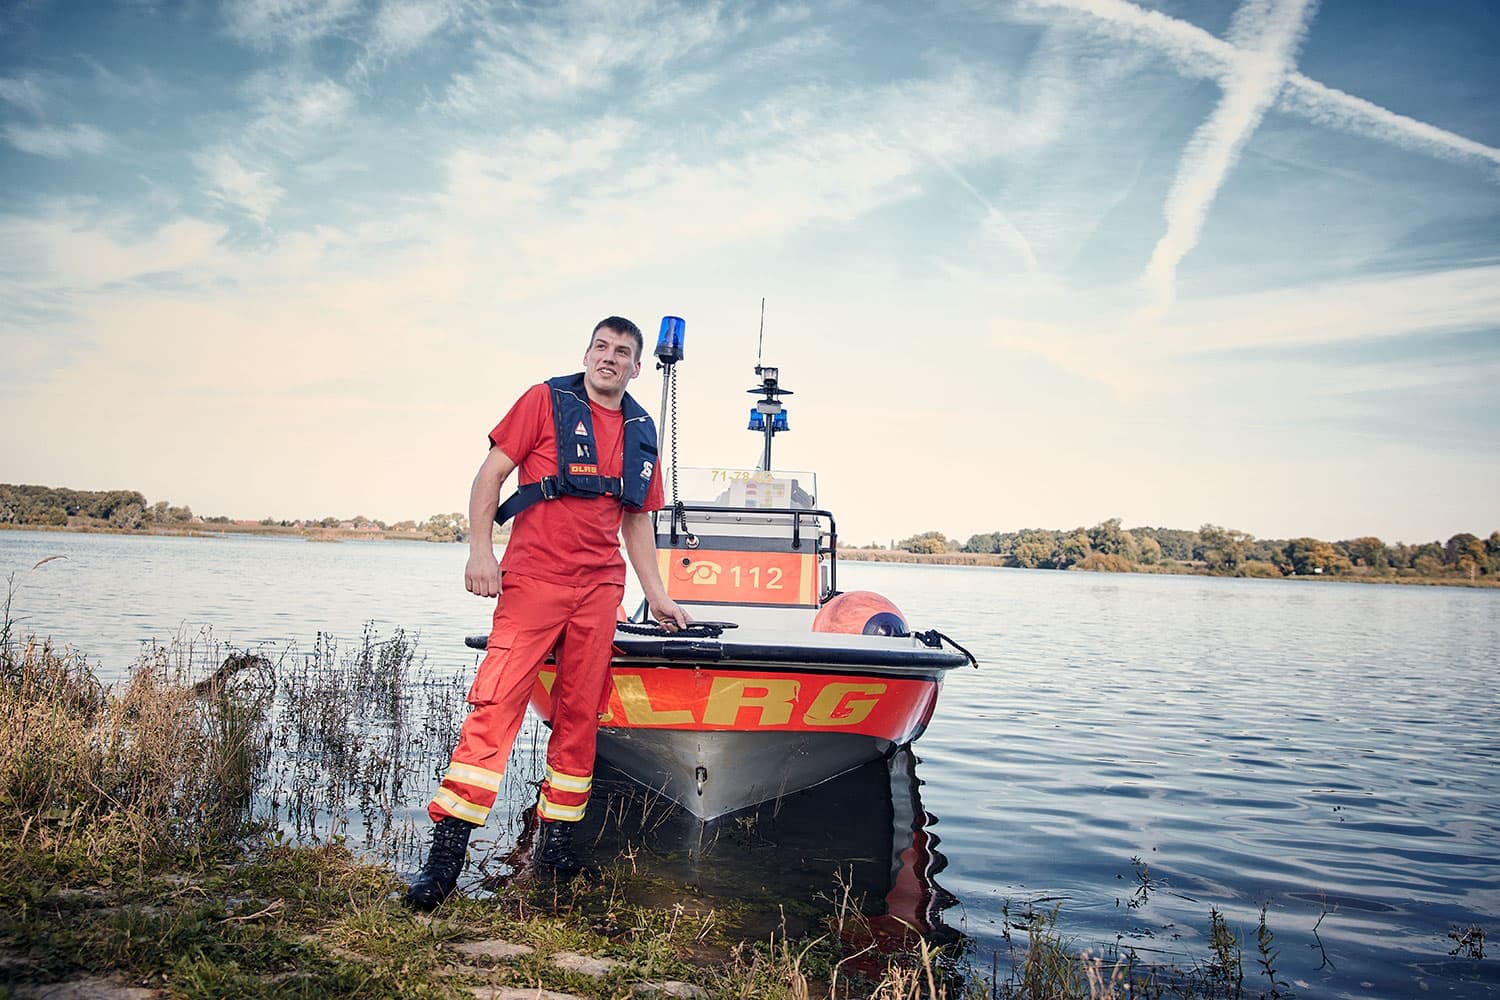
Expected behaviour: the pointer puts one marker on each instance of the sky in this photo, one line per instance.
(1025, 263)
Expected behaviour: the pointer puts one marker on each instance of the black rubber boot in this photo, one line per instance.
(558, 855)
(439, 877)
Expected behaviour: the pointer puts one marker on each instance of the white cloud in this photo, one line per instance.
(1377, 306)
(57, 141)
(289, 109)
(582, 47)
(402, 25)
(266, 23)
(70, 247)
(290, 115)
(251, 190)
(24, 93)
(1113, 343)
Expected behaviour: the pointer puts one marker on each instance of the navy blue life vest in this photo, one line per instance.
(578, 454)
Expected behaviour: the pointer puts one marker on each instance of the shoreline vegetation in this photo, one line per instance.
(1465, 559)
(197, 832)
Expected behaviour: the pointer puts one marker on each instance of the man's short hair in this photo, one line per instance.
(619, 324)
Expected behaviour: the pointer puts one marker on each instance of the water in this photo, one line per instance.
(1135, 749)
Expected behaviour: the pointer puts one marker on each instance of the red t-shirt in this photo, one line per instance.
(570, 540)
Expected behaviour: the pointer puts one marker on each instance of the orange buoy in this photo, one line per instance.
(860, 612)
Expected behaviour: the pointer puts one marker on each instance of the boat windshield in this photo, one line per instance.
(746, 488)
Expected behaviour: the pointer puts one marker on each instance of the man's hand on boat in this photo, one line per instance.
(671, 616)
(482, 573)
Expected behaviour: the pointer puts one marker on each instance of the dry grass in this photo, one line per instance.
(151, 769)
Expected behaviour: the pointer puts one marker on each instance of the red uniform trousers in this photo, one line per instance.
(531, 618)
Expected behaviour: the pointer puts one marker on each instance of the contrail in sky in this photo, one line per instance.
(1327, 106)
(1256, 68)
(1012, 236)
(1202, 55)
(1266, 34)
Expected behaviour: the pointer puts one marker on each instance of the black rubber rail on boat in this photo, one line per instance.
(935, 639)
(696, 630)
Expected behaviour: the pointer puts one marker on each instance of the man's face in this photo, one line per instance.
(610, 362)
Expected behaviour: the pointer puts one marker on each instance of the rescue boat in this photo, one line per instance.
(784, 682)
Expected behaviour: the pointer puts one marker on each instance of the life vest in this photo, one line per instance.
(578, 454)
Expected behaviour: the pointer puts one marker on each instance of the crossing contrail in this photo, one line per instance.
(1255, 66)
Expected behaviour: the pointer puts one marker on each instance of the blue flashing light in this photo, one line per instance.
(669, 342)
(758, 421)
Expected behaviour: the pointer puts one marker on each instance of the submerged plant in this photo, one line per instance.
(1226, 966)
(1267, 954)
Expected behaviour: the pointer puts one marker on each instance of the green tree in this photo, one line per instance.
(1150, 551)
(926, 543)
(447, 527)
(1176, 543)
(1072, 548)
(1108, 538)
(1432, 550)
(985, 543)
(1030, 555)
(1222, 549)
(1460, 545)
(1476, 559)
(130, 516)
(1308, 556)
(1426, 565)
(1368, 551)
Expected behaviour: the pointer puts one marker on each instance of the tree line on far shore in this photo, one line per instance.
(1226, 551)
(1106, 546)
(129, 510)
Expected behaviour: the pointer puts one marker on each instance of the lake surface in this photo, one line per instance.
(1136, 750)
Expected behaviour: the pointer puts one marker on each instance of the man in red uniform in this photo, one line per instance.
(560, 584)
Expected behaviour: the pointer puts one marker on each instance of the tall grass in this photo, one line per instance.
(169, 762)
(152, 767)
(357, 734)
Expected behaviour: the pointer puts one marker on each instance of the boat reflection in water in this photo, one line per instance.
(861, 840)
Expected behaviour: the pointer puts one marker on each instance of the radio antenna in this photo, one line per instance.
(761, 340)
